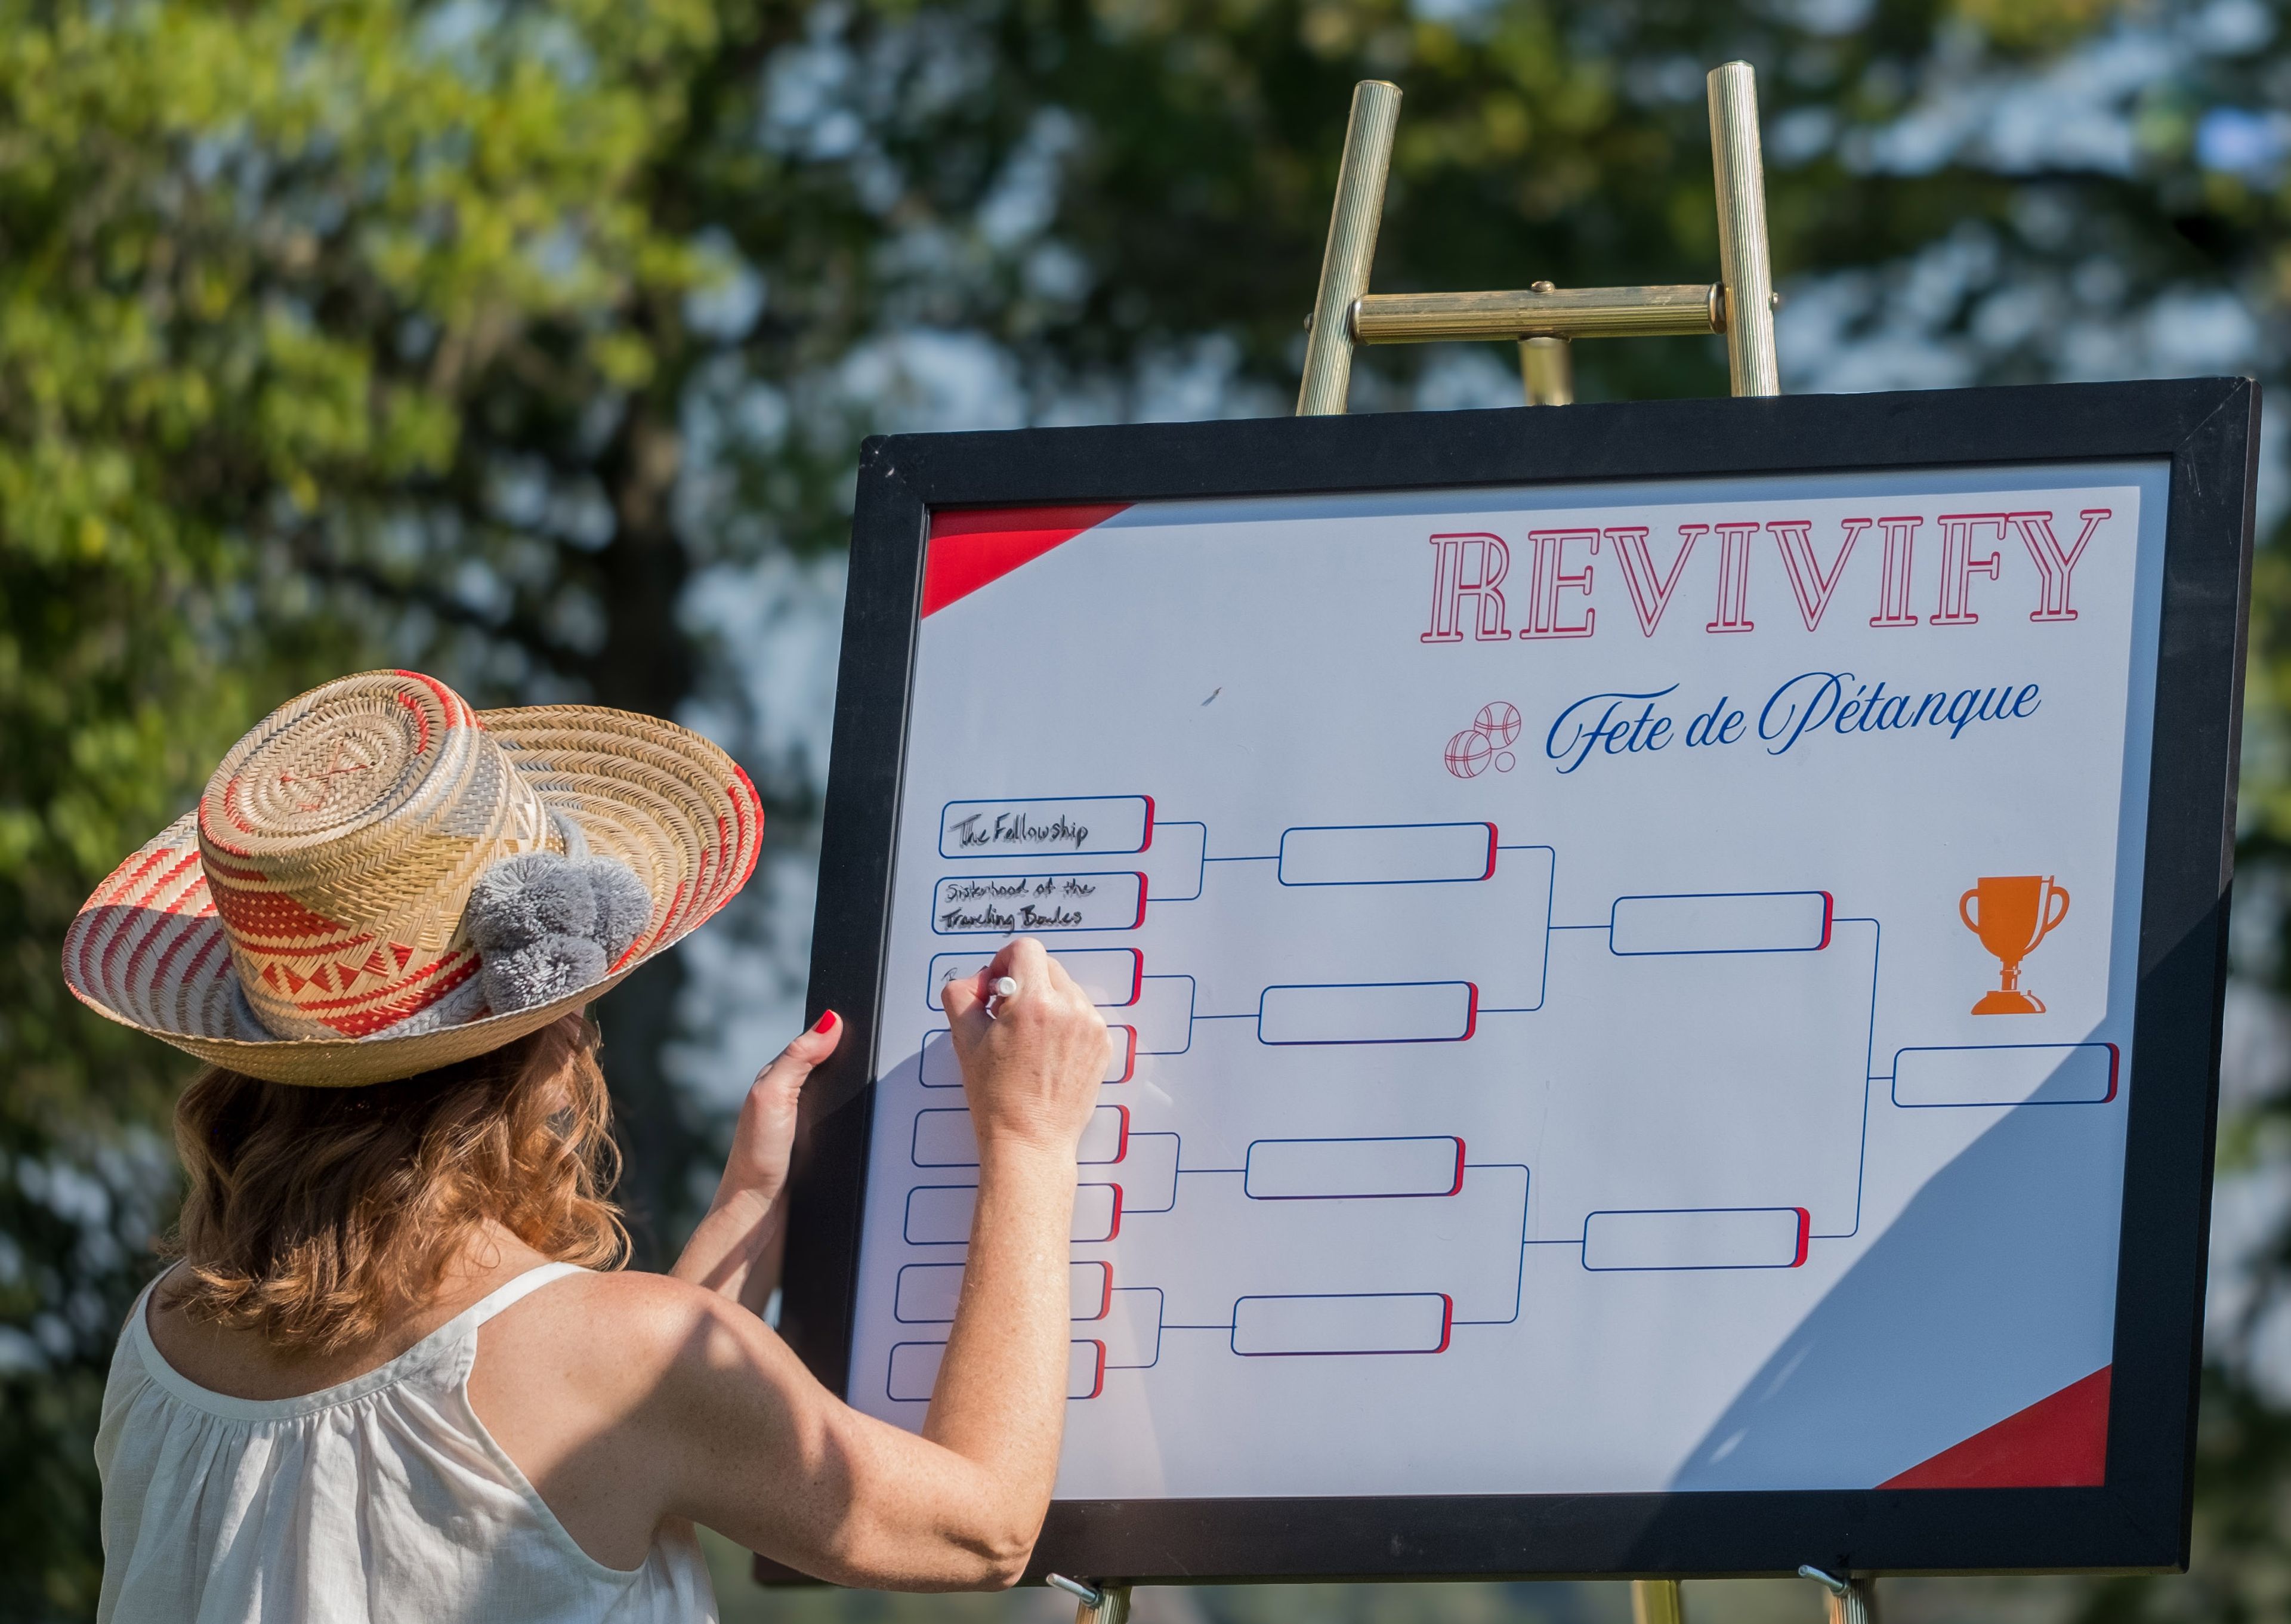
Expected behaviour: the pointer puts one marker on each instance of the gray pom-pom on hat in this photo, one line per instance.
(546, 925)
(541, 971)
(519, 900)
(622, 901)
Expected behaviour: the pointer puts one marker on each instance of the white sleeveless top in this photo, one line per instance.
(384, 1500)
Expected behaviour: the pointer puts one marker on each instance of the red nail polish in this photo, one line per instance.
(826, 1023)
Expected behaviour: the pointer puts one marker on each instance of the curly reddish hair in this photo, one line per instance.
(316, 1215)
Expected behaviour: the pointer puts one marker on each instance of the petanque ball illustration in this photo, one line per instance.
(1468, 752)
(1499, 720)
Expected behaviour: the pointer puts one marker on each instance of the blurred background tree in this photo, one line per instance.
(532, 343)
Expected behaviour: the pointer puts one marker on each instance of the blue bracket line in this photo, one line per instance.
(1861, 1168)
(1184, 823)
(1128, 1210)
(1869, 1055)
(1519, 1281)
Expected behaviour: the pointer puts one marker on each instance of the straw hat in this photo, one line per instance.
(311, 922)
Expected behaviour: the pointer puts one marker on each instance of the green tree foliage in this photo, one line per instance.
(491, 336)
(255, 266)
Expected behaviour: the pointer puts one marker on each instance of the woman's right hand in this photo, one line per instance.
(1031, 1071)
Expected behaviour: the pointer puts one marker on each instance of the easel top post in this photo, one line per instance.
(1352, 227)
(1740, 305)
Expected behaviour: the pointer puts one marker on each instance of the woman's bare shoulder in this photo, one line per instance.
(627, 1378)
(591, 1387)
(624, 1327)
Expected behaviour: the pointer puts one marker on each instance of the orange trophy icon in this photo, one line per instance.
(2017, 912)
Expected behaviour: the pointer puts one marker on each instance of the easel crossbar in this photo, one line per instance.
(1589, 312)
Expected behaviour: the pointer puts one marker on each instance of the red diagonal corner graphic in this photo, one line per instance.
(2057, 1442)
(972, 546)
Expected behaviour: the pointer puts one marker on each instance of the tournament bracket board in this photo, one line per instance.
(1664, 963)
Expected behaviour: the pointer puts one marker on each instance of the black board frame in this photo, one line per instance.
(2139, 1521)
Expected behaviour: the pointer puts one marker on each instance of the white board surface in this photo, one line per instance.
(1539, 932)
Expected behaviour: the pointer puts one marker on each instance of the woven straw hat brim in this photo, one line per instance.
(148, 952)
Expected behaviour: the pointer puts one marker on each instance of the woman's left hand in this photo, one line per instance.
(736, 1251)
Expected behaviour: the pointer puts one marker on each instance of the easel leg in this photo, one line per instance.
(1546, 371)
(1858, 1606)
(1113, 1607)
(1745, 266)
(1093, 1603)
(1657, 1601)
(1851, 1601)
(1352, 245)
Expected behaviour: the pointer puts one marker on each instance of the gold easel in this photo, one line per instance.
(1544, 320)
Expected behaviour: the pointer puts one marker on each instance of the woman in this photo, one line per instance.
(393, 1375)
